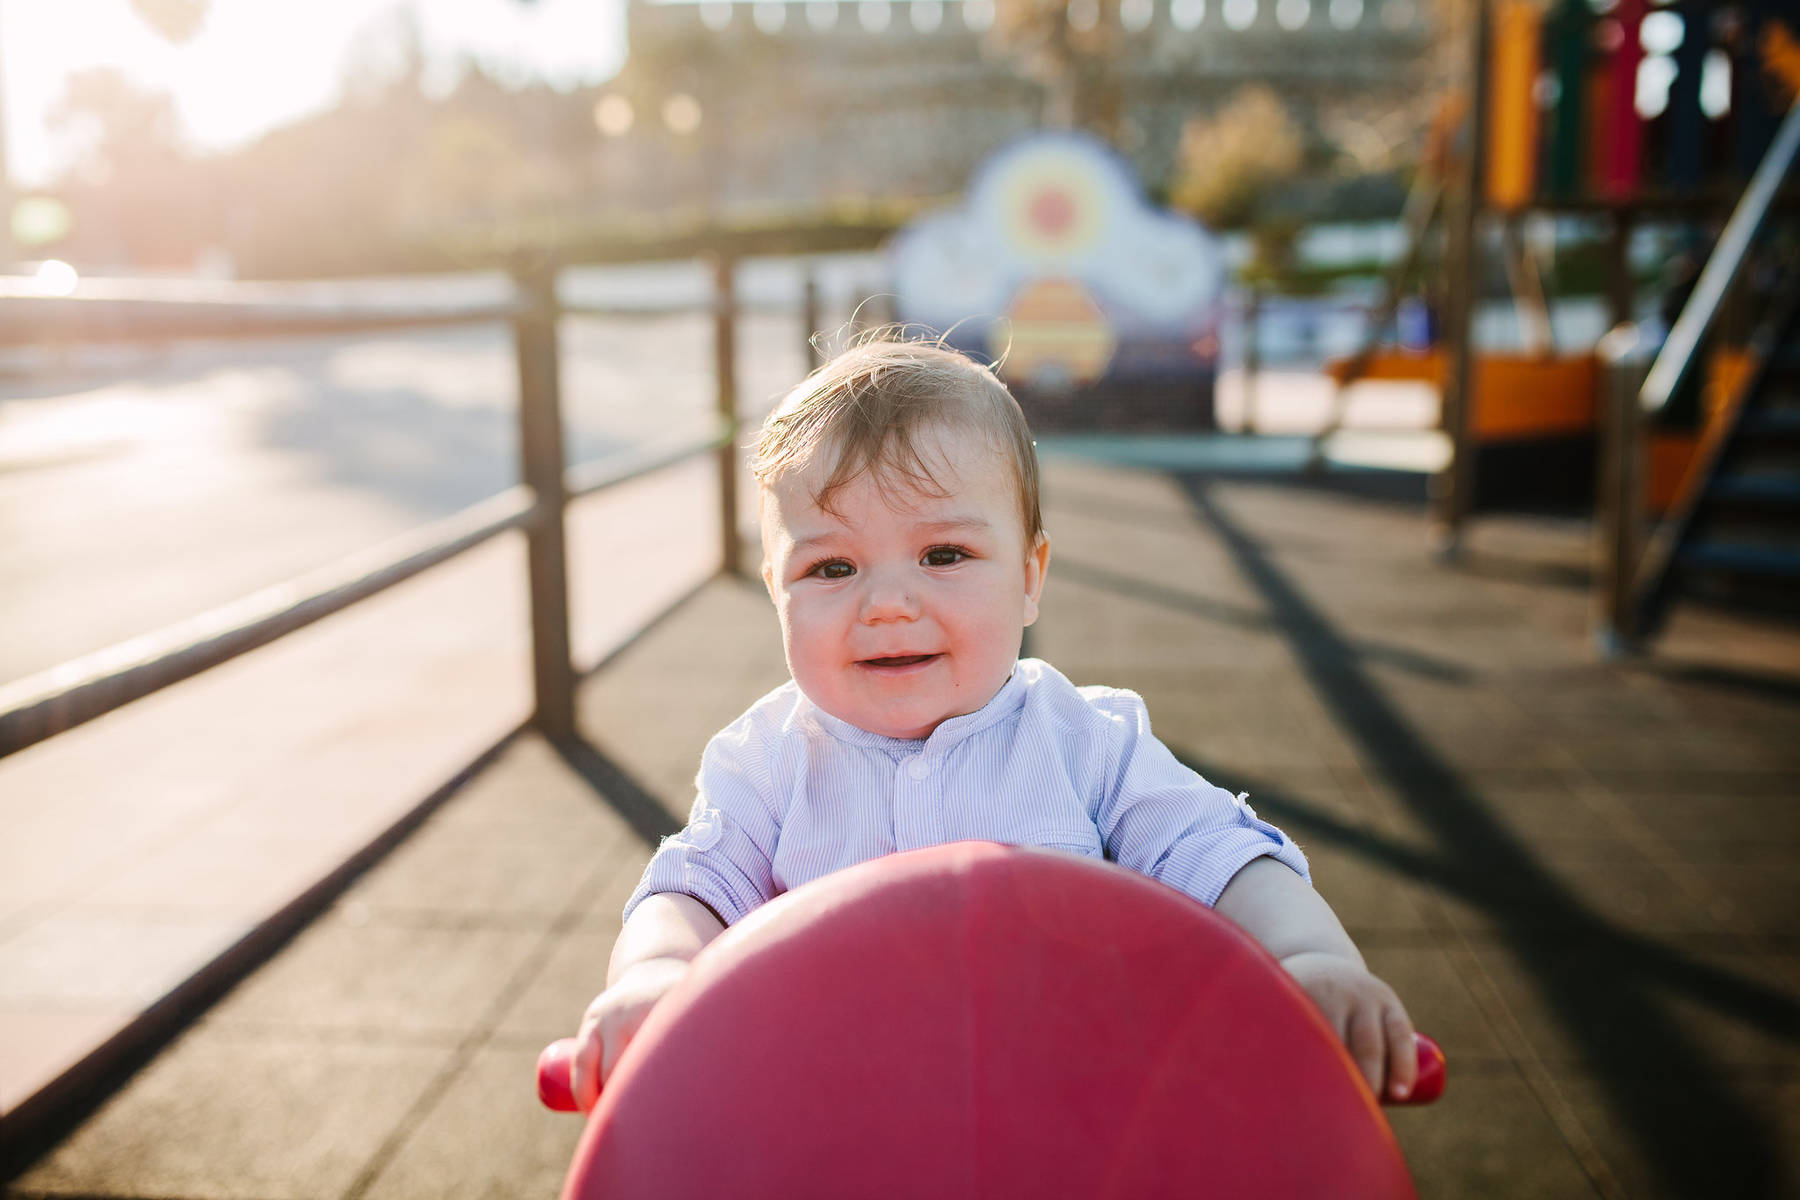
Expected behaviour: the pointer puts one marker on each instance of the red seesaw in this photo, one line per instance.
(982, 1020)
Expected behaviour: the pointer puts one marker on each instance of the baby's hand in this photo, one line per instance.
(612, 1020)
(1367, 1016)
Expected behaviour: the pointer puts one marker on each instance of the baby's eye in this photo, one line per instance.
(832, 568)
(945, 556)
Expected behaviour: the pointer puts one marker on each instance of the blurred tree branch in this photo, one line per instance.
(1072, 49)
(176, 20)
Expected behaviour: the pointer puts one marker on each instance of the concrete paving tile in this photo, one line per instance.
(551, 1004)
(528, 784)
(490, 871)
(1722, 1004)
(486, 1136)
(653, 710)
(1763, 895)
(1757, 1158)
(1609, 879)
(235, 863)
(1554, 814)
(1672, 751)
(40, 1042)
(232, 1119)
(381, 977)
(54, 850)
(1653, 783)
(1488, 1137)
(609, 902)
(110, 958)
(1315, 794)
(1367, 897)
(1438, 1001)
(1714, 817)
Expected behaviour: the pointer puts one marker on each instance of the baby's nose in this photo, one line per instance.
(888, 599)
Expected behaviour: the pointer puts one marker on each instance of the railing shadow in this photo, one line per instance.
(1608, 988)
(642, 812)
(1245, 617)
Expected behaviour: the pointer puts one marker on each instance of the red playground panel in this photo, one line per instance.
(982, 1020)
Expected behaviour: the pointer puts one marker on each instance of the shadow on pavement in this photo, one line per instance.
(1606, 986)
(641, 810)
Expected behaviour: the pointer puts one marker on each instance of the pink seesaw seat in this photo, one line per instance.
(977, 1020)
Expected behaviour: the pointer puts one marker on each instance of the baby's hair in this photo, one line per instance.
(868, 405)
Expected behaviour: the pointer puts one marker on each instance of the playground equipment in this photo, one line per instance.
(984, 1020)
(1627, 113)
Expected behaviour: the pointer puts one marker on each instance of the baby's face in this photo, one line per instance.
(909, 608)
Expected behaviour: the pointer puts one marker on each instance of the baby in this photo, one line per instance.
(905, 553)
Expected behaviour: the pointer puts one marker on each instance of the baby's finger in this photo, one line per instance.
(584, 1068)
(1364, 1041)
(1402, 1053)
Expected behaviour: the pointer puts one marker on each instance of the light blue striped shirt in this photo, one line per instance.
(788, 793)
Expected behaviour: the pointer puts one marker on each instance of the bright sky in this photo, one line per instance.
(256, 64)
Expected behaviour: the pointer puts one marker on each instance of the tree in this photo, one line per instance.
(1228, 163)
(1072, 49)
(130, 181)
(176, 20)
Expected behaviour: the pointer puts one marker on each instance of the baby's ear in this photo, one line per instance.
(1037, 567)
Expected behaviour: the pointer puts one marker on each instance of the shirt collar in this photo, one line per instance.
(1008, 700)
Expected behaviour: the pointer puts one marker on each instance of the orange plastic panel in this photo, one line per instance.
(1512, 132)
(1518, 397)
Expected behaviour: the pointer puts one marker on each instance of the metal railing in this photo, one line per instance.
(43, 705)
(1680, 353)
(1632, 563)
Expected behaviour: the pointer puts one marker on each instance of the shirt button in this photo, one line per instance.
(917, 767)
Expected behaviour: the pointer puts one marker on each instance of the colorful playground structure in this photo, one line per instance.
(1633, 115)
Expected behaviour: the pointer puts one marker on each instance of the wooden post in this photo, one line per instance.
(541, 467)
(7, 249)
(725, 373)
(814, 353)
(1621, 289)
(1619, 503)
(1252, 358)
(1453, 489)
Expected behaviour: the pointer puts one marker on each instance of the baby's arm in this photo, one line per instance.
(654, 949)
(1281, 910)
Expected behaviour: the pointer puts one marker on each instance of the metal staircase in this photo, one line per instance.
(1733, 531)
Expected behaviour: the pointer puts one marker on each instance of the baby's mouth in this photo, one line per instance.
(899, 660)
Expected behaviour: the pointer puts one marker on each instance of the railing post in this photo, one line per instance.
(725, 371)
(1619, 505)
(541, 467)
(1454, 487)
(1252, 357)
(814, 354)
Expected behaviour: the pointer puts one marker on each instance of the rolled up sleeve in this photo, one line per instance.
(1162, 818)
(722, 857)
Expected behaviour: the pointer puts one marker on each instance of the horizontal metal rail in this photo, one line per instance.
(1680, 353)
(112, 311)
(615, 469)
(43, 705)
(642, 312)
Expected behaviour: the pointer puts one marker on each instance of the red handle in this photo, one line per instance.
(554, 1088)
(557, 1094)
(1430, 1083)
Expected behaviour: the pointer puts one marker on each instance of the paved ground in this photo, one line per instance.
(1579, 875)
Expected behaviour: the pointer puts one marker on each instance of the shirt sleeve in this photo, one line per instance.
(1162, 818)
(723, 856)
